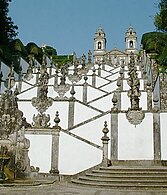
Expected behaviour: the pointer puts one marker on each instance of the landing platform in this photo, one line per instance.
(71, 189)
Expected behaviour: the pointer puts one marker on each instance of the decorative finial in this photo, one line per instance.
(89, 56)
(16, 91)
(119, 82)
(94, 70)
(149, 82)
(114, 101)
(155, 99)
(105, 129)
(83, 60)
(57, 119)
(85, 78)
(72, 92)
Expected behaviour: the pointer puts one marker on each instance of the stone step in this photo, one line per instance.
(130, 172)
(121, 185)
(116, 176)
(130, 177)
(136, 168)
(120, 180)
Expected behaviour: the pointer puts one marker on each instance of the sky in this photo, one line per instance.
(69, 25)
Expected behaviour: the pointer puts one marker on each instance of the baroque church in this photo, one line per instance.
(115, 56)
(97, 121)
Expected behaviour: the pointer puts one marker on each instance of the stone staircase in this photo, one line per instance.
(151, 177)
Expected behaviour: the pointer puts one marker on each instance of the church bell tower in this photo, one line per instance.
(99, 44)
(131, 41)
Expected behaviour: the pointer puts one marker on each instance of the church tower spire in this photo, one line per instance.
(99, 44)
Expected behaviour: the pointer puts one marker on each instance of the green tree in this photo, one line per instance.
(161, 17)
(8, 30)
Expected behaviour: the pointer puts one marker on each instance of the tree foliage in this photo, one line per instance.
(8, 30)
(161, 17)
(50, 51)
(156, 43)
(11, 48)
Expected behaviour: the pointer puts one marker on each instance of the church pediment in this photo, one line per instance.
(116, 52)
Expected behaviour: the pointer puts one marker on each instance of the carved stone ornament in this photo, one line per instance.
(134, 83)
(10, 115)
(135, 117)
(41, 121)
(12, 134)
(29, 73)
(42, 104)
(10, 80)
(62, 89)
(75, 78)
(83, 70)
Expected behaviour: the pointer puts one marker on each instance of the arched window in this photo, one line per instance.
(131, 44)
(99, 45)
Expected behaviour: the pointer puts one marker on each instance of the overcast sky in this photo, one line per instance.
(69, 25)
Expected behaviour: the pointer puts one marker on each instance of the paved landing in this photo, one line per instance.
(70, 189)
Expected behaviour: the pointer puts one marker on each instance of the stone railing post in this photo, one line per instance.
(119, 89)
(85, 90)
(56, 78)
(37, 75)
(99, 69)
(20, 80)
(156, 130)
(55, 146)
(149, 95)
(105, 139)
(71, 108)
(94, 77)
(114, 129)
(103, 64)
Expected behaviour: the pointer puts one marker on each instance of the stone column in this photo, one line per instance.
(71, 108)
(56, 78)
(103, 64)
(105, 140)
(114, 129)
(20, 80)
(37, 74)
(156, 130)
(149, 95)
(99, 70)
(55, 146)
(145, 80)
(94, 78)
(119, 89)
(85, 90)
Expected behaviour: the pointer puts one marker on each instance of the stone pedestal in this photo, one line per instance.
(157, 136)
(94, 78)
(85, 91)
(55, 151)
(71, 112)
(105, 139)
(114, 136)
(149, 99)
